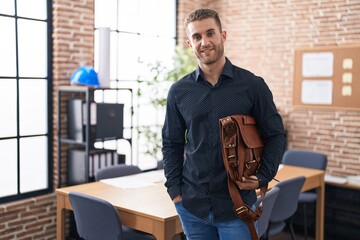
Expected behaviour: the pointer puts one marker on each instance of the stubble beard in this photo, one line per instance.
(219, 51)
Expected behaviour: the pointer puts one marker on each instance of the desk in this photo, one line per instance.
(150, 209)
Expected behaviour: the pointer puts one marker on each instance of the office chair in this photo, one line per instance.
(116, 171)
(285, 206)
(267, 206)
(120, 171)
(97, 219)
(160, 164)
(305, 159)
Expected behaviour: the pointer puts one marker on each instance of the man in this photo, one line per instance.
(196, 177)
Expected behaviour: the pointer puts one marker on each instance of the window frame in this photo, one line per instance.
(49, 134)
(137, 149)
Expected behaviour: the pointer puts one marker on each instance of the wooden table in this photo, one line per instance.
(150, 209)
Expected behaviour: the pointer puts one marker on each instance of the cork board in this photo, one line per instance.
(327, 77)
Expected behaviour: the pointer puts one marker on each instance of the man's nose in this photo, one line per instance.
(205, 41)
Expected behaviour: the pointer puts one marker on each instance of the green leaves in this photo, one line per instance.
(155, 87)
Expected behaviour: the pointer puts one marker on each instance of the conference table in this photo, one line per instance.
(143, 203)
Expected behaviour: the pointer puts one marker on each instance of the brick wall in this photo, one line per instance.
(73, 46)
(262, 37)
(33, 218)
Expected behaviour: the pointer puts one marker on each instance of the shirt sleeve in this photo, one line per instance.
(272, 131)
(173, 140)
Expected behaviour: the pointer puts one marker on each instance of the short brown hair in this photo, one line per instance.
(203, 13)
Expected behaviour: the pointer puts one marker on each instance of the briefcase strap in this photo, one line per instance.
(243, 211)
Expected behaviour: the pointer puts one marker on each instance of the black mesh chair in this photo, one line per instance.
(97, 219)
(307, 159)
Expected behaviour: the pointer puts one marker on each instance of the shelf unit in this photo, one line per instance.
(342, 211)
(86, 95)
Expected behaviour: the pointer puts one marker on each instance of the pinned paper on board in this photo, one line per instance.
(318, 64)
(346, 91)
(347, 78)
(347, 63)
(317, 92)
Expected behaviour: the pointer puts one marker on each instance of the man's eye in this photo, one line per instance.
(197, 38)
(210, 34)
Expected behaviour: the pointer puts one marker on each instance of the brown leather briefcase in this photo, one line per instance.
(242, 148)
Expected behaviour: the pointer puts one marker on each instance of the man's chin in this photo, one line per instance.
(208, 61)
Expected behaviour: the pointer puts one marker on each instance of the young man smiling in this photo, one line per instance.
(196, 177)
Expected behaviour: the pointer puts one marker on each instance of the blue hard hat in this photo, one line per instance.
(85, 76)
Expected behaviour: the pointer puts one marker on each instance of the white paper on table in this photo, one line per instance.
(335, 179)
(137, 180)
(128, 182)
(353, 179)
(153, 176)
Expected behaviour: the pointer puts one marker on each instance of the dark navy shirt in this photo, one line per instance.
(191, 142)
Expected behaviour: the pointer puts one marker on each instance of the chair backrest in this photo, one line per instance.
(308, 159)
(267, 206)
(95, 218)
(287, 200)
(116, 171)
(160, 164)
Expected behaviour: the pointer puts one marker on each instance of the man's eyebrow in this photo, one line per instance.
(195, 34)
(209, 30)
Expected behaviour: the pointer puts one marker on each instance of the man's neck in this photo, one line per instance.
(212, 71)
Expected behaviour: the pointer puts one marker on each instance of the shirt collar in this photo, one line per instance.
(227, 71)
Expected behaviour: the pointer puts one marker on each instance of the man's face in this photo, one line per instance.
(206, 40)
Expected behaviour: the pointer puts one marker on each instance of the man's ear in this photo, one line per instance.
(223, 34)
(189, 43)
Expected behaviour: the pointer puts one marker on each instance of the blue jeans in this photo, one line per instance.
(207, 229)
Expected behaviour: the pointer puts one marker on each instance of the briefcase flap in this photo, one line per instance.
(250, 133)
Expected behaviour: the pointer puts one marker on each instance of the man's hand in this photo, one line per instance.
(177, 199)
(249, 183)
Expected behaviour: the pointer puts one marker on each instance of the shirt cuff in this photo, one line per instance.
(174, 191)
(262, 180)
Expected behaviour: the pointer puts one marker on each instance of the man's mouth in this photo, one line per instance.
(207, 50)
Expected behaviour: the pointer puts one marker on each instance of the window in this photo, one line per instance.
(25, 102)
(142, 32)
